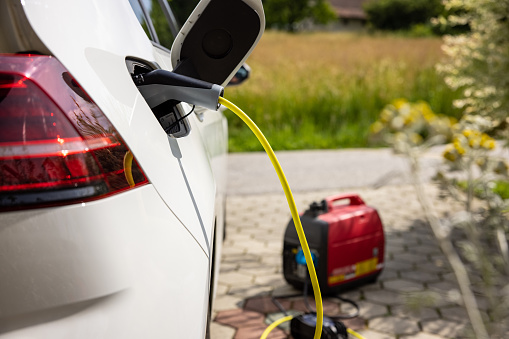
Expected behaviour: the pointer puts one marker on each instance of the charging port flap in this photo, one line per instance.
(217, 38)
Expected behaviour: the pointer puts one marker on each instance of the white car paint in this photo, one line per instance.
(136, 264)
(94, 274)
(98, 61)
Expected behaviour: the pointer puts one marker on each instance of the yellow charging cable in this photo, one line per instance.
(274, 325)
(293, 210)
(128, 164)
(355, 334)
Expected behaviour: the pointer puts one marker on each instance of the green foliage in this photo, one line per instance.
(322, 12)
(287, 14)
(500, 188)
(442, 26)
(329, 113)
(401, 14)
(421, 30)
(324, 90)
(478, 61)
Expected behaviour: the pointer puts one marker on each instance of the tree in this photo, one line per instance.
(401, 14)
(287, 14)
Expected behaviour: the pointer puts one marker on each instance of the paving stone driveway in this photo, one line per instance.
(251, 269)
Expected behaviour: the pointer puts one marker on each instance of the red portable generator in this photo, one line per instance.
(347, 243)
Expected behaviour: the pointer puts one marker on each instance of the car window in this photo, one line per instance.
(159, 27)
(154, 22)
(140, 15)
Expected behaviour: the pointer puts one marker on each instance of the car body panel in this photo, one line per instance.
(86, 273)
(98, 61)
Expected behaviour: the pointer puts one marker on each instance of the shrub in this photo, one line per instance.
(287, 14)
(401, 14)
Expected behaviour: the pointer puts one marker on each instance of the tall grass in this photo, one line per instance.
(323, 90)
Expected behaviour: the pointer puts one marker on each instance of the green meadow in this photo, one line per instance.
(324, 90)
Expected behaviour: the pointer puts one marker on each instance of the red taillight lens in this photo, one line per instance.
(56, 146)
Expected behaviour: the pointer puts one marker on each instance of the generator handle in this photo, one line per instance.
(353, 198)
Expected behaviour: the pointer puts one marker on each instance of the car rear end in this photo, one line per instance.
(106, 223)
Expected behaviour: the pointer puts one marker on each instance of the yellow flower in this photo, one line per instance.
(474, 141)
(487, 142)
(467, 132)
(426, 111)
(399, 103)
(458, 147)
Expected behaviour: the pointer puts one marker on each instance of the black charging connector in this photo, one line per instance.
(160, 86)
(303, 327)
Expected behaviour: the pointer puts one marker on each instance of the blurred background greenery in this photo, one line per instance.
(320, 78)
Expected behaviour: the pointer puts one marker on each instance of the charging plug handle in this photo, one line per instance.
(159, 86)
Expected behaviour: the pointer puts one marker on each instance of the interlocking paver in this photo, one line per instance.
(227, 302)
(388, 274)
(376, 286)
(443, 328)
(411, 258)
(421, 276)
(375, 335)
(236, 317)
(437, 267)
(443, 286)
(394, 325)
(393, 250)
(367, 310)
(384, 297)
(454, 313)
(221, 289)
(269, 279)
(254, 332)
(399, 265)
(426, 249)
(402, 285)
(235, 278)
(221, 331)
(419, 314)
(421, 335)
(232, 250)
(249, 290)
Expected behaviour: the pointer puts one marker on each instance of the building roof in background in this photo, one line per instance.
(349, 9)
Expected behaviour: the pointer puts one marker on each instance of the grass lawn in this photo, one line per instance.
(323, 90)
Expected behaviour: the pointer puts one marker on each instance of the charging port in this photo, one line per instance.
(166, 113)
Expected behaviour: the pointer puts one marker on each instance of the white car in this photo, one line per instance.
(94, 244)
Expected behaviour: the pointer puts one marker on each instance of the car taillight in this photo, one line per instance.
(56, 146)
